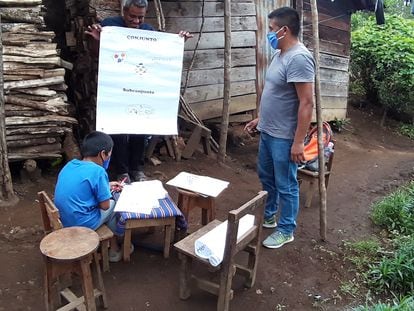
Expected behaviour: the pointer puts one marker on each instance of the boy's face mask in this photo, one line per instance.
(273, 39)
(105, 163)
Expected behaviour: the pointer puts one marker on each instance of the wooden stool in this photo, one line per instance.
(188, 200)
(71, 250)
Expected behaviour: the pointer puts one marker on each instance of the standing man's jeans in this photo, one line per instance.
(278, 175)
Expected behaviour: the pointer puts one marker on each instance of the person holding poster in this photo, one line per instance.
(129, 149)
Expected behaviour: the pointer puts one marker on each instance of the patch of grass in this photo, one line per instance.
(396, 211)
(351, 288)
(387, 269)
(395, 274)
(362, 253)
(405, 304)
(407, 130)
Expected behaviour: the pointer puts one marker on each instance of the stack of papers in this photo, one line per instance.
(204, 185)
(211, 245)
(141, 197)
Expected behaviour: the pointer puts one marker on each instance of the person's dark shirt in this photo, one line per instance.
(119, 21)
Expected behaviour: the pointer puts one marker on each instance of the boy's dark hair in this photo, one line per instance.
(95, 142)
(287, 16)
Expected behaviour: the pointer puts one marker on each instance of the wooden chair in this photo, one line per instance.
(249, 242)
(312, 178)
(188, 200)
(51, 222)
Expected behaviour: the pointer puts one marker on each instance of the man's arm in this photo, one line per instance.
(305, 95)
(94, 31)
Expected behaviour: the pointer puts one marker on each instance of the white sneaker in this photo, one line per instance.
(117, 256)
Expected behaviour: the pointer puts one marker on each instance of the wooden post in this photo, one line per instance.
(321, 158)
(227, 81)
(160, 15)
(7, 196)
(299, 8)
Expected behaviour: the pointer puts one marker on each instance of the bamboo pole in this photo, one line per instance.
(227, 82)
(7, 196)
(321, 158)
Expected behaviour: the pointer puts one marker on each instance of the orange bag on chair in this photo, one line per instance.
(311, 145)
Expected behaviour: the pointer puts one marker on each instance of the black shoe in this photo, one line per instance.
(138, 176)
(124, 178)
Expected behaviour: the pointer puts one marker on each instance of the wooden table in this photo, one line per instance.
(166, 216)
(188, 200)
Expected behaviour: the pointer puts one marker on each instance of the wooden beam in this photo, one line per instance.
(211, 24)
(193, 9)
(224, 127)
(215, 40)
(213, 108)
(24, 15)
(33, 83)
(39, 120)
(215, 91)
(215, 76)
(214, 58)
(7, 195)
(20, 2)
(29, 52)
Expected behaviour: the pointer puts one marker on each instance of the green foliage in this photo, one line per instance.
(397, 7)
(407, 130)
(405, 304)
(338, 124)
(362, 253)
(360, 19)
(382, 60)
(395, 274)
(387, 269)
(396, 211)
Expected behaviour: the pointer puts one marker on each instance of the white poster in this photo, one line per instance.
(138, 81)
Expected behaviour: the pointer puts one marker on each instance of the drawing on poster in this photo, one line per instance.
(140, 110)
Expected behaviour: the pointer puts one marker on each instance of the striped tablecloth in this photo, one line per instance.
(167, 209)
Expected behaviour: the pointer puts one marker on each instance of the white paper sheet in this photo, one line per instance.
(211, 245)
(140, 197)
(201, 184)
(138, 81)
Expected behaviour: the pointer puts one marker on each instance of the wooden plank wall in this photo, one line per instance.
(204, 90)
(334, 33)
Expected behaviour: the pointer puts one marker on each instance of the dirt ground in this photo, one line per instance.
(303, 275)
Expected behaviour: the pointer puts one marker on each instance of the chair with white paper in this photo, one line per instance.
(248, 240)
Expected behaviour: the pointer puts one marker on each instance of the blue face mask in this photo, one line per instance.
(105, 163)
(273, 39)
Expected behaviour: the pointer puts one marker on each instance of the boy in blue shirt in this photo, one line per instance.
(83, 191)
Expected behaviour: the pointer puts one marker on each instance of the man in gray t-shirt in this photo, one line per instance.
(284, 117)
